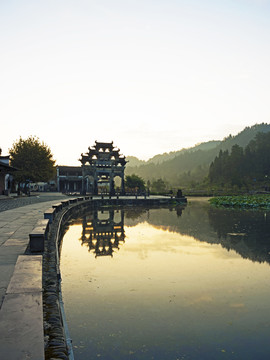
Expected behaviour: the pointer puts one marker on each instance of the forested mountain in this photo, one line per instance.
(160, 158)
(243, 166)
(190, 166)
(134, 161)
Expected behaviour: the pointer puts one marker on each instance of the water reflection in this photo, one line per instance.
(245, 232)
(177, 289)
(103, 231)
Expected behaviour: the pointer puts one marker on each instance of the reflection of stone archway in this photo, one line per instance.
(103, 232)
(103, 162)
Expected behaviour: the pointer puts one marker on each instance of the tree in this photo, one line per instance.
(158, 186)
(243, 166)
(134, 182)
(32, 159)
(236, 165)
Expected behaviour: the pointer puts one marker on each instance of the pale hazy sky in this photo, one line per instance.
(151, 75)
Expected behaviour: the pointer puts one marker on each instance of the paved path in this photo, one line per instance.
(15, 202)
(18, 217)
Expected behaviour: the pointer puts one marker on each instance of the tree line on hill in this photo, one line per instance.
(243, 167)
(189, 168)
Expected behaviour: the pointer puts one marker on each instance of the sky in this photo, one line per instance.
(152, 76)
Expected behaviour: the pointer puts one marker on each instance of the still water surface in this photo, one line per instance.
(181, 283)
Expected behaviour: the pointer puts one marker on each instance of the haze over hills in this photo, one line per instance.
(190, 164)
(160, 158)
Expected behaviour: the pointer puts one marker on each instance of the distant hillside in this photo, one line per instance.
(244, 137)
(160, 158)
(134, 161)
(189, 165)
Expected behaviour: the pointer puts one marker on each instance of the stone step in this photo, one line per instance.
(21, 315)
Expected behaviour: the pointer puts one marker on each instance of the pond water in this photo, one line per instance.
(182, 283)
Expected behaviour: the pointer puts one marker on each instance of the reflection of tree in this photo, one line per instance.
(246, 232)
(135, 212)
(101, 233)
(136, 215)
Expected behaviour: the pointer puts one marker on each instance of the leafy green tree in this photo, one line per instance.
(134, 182)
(158, 186)
(32, 159)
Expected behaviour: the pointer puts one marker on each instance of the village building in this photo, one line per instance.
(6, 177)
(69, 179)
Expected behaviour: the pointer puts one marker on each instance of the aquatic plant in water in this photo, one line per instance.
(242, 201)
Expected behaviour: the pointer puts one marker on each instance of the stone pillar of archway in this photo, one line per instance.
(95, 190)
(122, 219)
(87, 184)
(112, 189)
(83, 181)
(111, 218)
(123, 192)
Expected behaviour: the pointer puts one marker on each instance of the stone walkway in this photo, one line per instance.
(8, 203)
(18, 217)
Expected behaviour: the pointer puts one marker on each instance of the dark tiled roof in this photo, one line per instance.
(6, 167)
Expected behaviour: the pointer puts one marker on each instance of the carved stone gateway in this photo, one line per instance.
(101, 165)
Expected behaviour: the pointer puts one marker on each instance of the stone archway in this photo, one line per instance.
(103, 162)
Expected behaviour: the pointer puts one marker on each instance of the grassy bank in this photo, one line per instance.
(243, 201)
